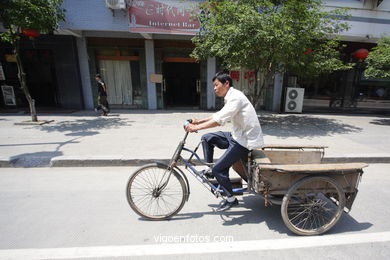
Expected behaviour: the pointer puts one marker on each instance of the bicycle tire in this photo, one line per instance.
(145, 181)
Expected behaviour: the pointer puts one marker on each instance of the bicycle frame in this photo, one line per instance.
(217, 190)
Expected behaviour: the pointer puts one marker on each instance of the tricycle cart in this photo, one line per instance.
(313, 195)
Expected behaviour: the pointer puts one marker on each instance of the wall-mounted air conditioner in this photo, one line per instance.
(116, 4)
(294, 100)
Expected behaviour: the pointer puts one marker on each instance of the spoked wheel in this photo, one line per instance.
(313, 205)
(156, 193)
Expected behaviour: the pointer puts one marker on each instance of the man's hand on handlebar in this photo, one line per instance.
(192, 128)
(194, 125)
(189, 126)
(195, 121)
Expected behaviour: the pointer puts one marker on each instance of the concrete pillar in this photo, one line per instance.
(211, 67)
(150, 69)
(277, 93)
(85, 74)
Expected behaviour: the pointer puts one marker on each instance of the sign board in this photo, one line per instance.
(156, 78)
(8, 95)
(10, 57)
(167, 17)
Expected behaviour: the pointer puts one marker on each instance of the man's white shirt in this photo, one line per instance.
(246, 127)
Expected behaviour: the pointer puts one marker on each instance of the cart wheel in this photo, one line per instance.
(313, 205)
(156, 193)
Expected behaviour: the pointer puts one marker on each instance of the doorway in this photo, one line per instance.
(181, 84)
(41, 76)
(117, 76)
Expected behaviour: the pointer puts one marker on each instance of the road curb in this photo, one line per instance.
(112, 162)
(6, 163)
(91, 162)
(384, 159)
(140, 162)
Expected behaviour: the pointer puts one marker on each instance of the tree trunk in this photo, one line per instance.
(23, 83)
(258, 88)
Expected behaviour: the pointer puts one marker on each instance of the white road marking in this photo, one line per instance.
(194, 248)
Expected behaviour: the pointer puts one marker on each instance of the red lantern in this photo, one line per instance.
(31, 33)
(308, 51)
(361, 54)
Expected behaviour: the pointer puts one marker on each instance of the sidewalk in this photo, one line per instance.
(135, 137)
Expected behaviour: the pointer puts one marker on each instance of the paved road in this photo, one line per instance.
(74, 213)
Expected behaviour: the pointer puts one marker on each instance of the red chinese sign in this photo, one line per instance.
(170, 17)
(235, 75)
(250, 76)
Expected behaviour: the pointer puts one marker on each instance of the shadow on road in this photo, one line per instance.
(85, 127)
(381, 122)
(40, 159)
(303, 126)
(253, 211)
(75, 129)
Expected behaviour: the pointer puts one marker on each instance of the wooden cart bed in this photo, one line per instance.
(313, 168)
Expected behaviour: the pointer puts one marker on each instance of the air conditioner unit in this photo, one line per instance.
(116, 4)
(294, 100)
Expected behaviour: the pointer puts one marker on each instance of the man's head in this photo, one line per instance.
(222, 83)
(98, 77)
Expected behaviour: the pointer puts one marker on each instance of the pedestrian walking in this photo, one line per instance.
(102, 96)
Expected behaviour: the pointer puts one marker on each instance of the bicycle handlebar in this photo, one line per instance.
(187, 122)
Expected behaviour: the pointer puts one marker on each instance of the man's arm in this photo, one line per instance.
(202, 124)
(196, 121)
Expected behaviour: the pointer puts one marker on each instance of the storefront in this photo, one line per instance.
(51, 66)
(142, 50)
(121, 62)
(180, 81)
(151, 68)
(349, 90)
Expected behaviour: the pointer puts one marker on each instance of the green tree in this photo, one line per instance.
(378, 60)
(39, 15)
(269, 36)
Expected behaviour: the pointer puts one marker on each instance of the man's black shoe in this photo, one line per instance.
(227, 205)
(209, 175)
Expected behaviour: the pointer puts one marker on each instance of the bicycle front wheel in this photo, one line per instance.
(155, 192)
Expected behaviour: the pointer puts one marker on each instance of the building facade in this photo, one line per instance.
(148, 68)
(142, 50)
(350, 90)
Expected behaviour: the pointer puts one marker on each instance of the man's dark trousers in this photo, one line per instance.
(234, 152)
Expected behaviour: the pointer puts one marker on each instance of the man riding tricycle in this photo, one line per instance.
(312, 195)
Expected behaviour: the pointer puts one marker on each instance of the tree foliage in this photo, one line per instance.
(40, 15)
(269, 36)
(378, 60)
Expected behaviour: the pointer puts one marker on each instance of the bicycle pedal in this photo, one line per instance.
(209, 175)
(216, 193)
